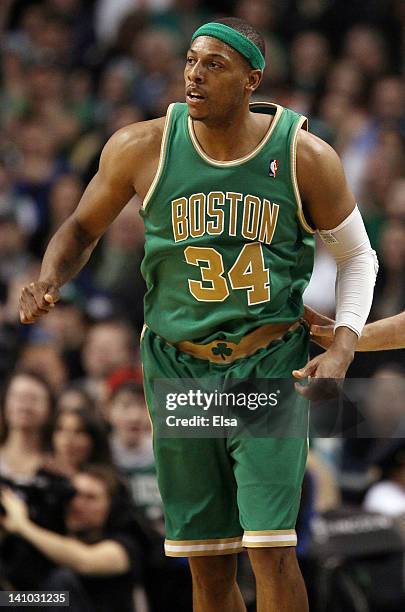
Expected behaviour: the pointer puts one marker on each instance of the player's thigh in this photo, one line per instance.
(269, 474)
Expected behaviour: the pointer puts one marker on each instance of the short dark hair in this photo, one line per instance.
(243, 27)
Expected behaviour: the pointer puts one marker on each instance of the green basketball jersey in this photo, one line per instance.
(227, 248)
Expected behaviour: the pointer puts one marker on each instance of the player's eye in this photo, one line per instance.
(190, 61)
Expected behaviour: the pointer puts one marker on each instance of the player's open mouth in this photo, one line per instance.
(195, 98)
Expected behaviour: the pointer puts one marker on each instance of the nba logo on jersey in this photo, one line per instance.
(273, 167)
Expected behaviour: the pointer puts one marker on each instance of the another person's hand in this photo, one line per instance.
(36, 300)
(16, 511)
(321, 327)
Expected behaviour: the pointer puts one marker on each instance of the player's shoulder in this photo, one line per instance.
(137, 139)
(313, 152)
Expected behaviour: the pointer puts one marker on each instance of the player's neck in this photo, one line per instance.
(226, 142)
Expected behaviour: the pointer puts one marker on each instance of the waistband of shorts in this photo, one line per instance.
(222, 351)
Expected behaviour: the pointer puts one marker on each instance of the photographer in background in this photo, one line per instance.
(98, 559)
(25, 424)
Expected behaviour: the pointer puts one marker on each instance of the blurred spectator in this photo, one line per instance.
(98, 559)
(39, 167)
(394, 202)
(85, 154)
(63, 199)
(26, 418)
(390, 293)
(46, 360)
(154, 52)
(109, 15)
(21, 208)
(118, 270)
(114, 89)
(383, 421)
(75, 397)
(79, 437)
(366, 47)
(26, 422)
(384, 408)
(108, 346)
(13, 252)
(388, 495)
(309, 59)
(65, 328)
(131, 440)
(165, 579)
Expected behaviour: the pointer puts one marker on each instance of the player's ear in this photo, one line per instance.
(254, 79)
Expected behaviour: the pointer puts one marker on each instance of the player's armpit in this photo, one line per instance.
(326, 196)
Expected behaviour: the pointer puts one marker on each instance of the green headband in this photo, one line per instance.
(234, 39)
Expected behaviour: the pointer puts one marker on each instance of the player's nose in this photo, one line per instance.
(196, 74)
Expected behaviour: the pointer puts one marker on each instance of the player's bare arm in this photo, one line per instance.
(327, 202)
(383, 335)
(128, 164)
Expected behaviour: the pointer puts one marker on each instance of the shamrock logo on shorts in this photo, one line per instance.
(222, 349)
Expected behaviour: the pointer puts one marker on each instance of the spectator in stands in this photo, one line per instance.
(63, 199)
(118, 271)
(79, 437)
(388, 495)
(109, 345)
(75, 397)
(98, 559)
(165, 579)
(45, 359)
(26, 423)
(26, 420)
(131, 441)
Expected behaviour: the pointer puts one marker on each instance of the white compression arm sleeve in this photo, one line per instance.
(357, 268)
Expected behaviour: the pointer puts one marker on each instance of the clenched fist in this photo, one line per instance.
(36, 300)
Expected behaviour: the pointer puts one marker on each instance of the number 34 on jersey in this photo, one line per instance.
(202, 214)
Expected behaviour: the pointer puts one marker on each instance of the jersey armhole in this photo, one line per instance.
(162, 158)
(301, 123)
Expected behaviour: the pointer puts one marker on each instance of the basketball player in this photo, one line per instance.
(232, 195)
(383, 335)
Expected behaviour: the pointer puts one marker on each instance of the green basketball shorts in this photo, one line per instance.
(223, 494)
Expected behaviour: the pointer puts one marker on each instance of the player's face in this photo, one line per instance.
(217, 79)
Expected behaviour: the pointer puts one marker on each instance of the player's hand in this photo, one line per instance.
(36, 300)
(321, 327)
(325, 372)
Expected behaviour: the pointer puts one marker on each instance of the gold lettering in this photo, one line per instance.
(215, 227)
(251, 213)
(268, 221)
(233, 210)
(179, 219)
(197, 211)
